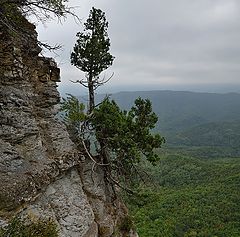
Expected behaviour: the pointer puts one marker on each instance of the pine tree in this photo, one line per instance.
(91, 52)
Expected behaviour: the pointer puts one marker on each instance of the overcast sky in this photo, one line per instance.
(159, 44)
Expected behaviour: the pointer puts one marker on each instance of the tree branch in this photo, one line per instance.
(90, 156)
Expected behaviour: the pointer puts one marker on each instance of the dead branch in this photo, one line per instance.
(97, 82)
(109, 176)
(90, 156)
(82, 82)
(43, 10)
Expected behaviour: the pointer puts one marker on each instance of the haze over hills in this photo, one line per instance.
(191, 118)
(178, 110)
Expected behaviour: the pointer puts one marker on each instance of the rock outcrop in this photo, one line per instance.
(42, 174)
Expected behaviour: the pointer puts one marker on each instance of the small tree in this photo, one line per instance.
(123, 138)
(91, 52)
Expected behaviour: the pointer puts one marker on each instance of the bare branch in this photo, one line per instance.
(90, 156)
(13, 11)
(98, 82)
(109, 176)
(82, 82)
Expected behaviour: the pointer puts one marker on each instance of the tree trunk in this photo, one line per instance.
(91, 94)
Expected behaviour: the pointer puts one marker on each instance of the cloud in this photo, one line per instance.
(161, 42)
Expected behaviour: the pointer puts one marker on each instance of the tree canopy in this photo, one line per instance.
(126, 136)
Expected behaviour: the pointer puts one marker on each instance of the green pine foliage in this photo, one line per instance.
(74, 110)
(91, 52)
(126, 136)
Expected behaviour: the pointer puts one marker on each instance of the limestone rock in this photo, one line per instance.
(65, 200)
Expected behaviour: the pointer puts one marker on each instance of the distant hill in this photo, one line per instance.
(190, 118)
(211, 134)
(178, 110)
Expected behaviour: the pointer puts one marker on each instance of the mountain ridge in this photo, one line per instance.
(201, 107)
(182, 113)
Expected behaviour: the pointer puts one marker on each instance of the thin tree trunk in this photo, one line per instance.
(91, 94)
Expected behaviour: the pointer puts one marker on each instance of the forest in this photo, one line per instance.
(189, 197)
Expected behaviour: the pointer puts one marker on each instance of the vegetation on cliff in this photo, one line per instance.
(184, 196)
(119, 138)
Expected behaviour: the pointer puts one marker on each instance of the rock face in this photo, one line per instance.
(42, 174)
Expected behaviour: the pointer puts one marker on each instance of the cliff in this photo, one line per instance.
(42, 174)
